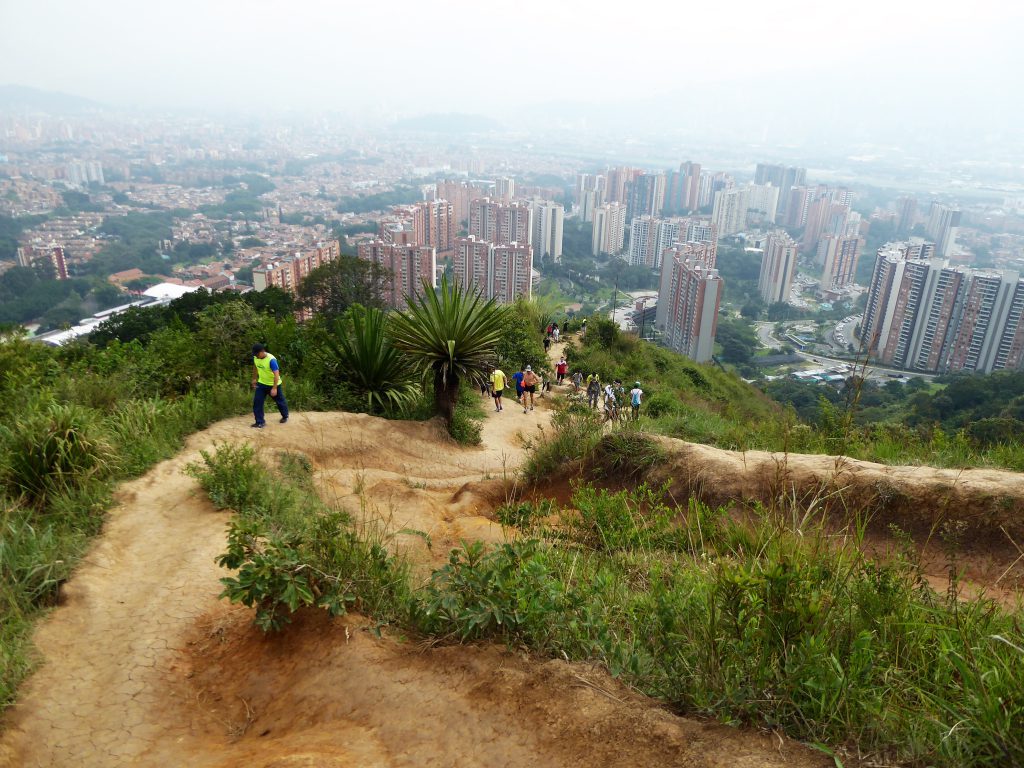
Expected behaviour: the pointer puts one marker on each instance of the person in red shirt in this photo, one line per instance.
(561, 369)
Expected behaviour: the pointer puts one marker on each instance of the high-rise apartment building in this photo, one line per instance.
(650, 236)
(922, 314)
(729, 214)
(434, 224)
(505, 189)
(51, 256)
(459, 194)
(989, 323)
(783, 177)
(838, 255)
(824, 217)
(645, 195)
(408, 267)
(762, 204)
(617, 181)
(709, 184)
(906, 215)
(588, 201)
(778, 266)
(502, 272)
(688, 302)
(500, 222)
(288, 271)
(608, 233)
(943, 228)
(682, 191)
(548, 221)
(83, 173)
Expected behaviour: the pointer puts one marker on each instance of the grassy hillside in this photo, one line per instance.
(702, 403)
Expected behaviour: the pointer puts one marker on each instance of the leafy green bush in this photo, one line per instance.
(467, 421)
(289, 549)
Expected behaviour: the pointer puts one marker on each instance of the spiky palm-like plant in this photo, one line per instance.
(452, 334)
(372, 366)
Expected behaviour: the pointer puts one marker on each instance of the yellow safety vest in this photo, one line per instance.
(263, 372)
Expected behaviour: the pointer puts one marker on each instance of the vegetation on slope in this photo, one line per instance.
(704, 404)
(776, 624)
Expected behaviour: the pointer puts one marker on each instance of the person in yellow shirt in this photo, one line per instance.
(498, 382)
(266, 380)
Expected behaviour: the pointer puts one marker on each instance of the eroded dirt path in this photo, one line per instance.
(143, 665)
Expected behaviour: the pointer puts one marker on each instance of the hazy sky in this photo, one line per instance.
(845, 58)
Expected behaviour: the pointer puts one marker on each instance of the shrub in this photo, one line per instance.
(55, 449)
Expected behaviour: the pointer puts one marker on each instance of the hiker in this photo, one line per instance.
(266, 380)
(593, 389)
(517, 377)
(530, 382)
(497, 386)
(547, 343)
(636, 395)
(583, 329)
(554, 333)
(565, 327)
(611, 411)
(561, 368)
(577, 381)
(620, 392)
(547, 331)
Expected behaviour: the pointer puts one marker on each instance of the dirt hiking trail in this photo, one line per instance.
(141, 664)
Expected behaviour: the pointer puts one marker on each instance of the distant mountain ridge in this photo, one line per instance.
(451, 122)
(18, 97)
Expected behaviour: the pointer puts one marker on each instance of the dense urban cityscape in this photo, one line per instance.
(125, 212)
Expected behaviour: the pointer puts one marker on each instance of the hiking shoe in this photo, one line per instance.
(257, 426)
(284, 419)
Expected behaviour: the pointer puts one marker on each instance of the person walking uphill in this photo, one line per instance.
(266, 380)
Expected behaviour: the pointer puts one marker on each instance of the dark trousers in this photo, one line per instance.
(260, 395)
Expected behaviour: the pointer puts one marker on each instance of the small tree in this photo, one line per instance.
(453, 335)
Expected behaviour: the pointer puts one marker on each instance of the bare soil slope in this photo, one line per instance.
(143, 665)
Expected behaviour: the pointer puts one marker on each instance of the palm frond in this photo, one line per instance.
(373, 367)
(451, 332)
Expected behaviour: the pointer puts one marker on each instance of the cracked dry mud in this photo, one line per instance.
(143, 665)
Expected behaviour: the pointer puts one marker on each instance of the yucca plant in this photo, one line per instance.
(452, 334)
(372, 366)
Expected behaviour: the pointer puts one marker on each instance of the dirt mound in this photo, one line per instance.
(983, 509)
(330, 693)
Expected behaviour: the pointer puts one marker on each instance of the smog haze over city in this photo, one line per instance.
(938, 77)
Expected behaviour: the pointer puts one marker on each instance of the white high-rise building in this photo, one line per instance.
(730, 211)
(943, 228)
(778, 266)
(548, 221)
(762, 203)
(609, 229)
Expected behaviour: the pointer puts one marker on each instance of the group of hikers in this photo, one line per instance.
(527, 382)
(614, 395)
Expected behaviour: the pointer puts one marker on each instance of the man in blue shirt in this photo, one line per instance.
(266, 380)
(517, 377)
